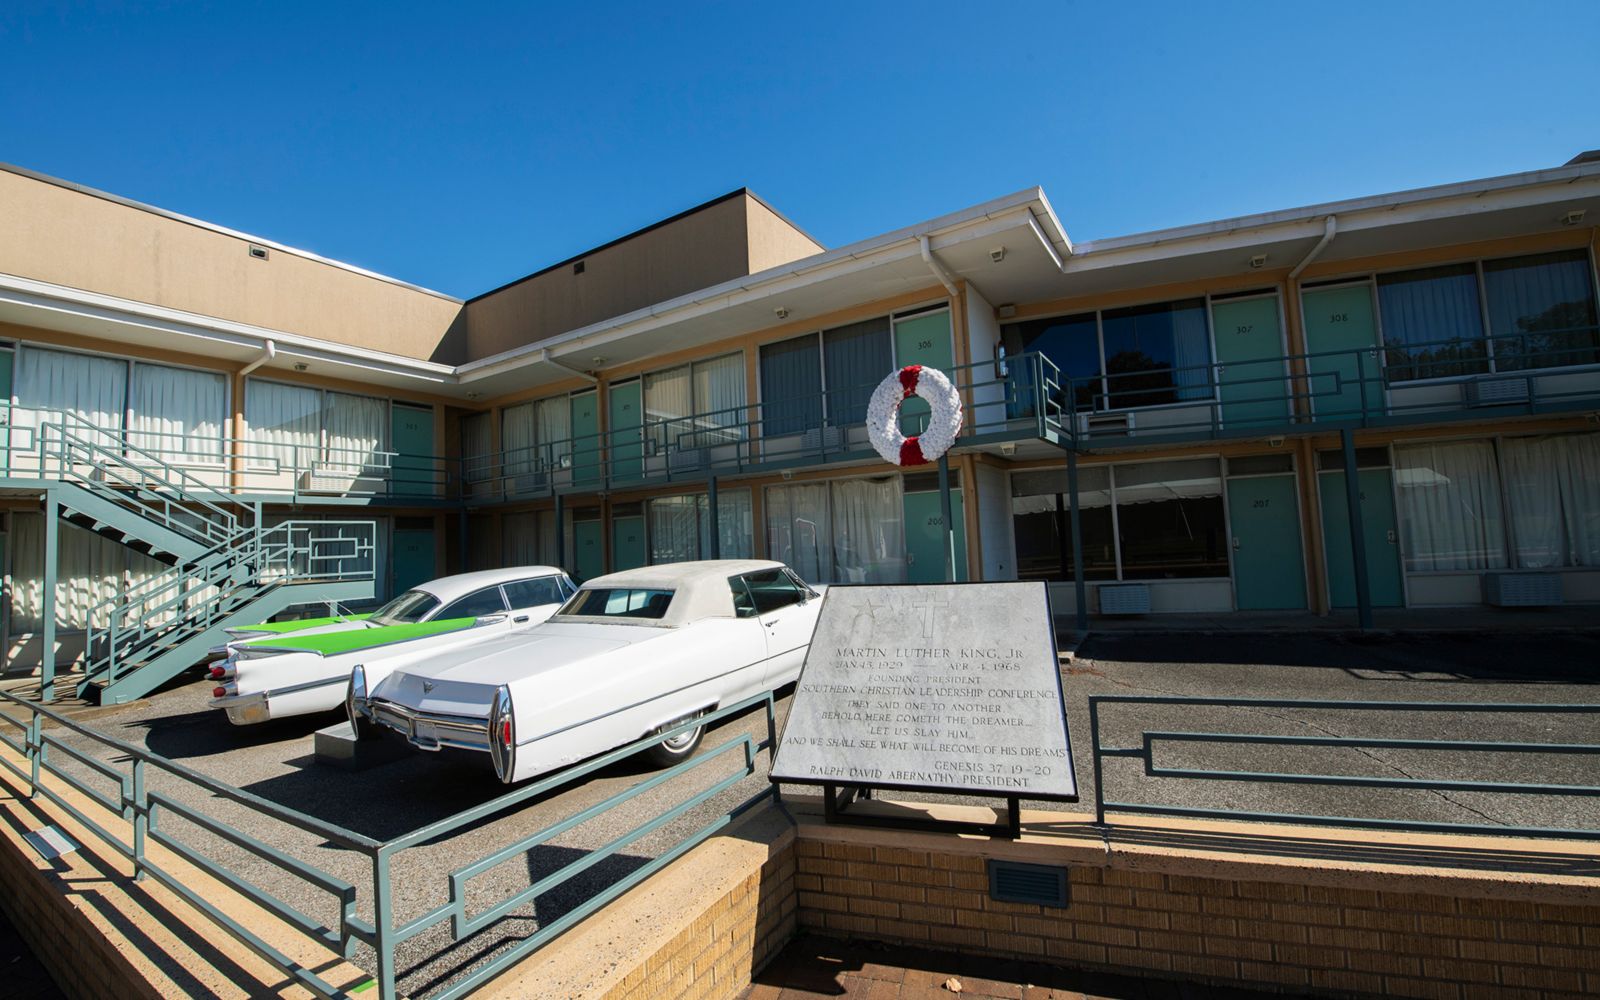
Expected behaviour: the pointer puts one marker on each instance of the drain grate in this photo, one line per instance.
(1016, 882)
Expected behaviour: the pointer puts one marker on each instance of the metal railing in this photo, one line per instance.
(1381, 385)
(141, 810)
(1145, 748)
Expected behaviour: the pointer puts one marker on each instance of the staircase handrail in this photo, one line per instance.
(222, 525)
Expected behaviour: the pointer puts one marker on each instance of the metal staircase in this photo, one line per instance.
(225, 568)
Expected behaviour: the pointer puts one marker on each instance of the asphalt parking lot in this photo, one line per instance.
(411, 788)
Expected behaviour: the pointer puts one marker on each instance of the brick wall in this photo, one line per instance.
(1299, 936)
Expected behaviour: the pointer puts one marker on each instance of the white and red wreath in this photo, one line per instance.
(883, 416)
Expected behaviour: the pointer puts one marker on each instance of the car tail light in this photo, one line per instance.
(505, 732)
(219, 692)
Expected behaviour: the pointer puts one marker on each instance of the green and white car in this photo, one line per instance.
(270, 675)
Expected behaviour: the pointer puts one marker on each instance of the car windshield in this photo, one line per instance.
(409, 607)
(619, 602)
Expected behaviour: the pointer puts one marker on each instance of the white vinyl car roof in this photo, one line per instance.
(448, 588)
(701, 587)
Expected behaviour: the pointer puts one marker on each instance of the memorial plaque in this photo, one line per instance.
(950, 687)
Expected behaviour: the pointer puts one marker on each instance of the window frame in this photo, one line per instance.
(505, 606)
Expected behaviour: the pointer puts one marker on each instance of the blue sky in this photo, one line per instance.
(462, 145)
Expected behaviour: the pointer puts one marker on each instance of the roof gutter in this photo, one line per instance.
(550, 359)
(1329, 227)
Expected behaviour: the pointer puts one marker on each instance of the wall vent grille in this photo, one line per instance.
(1016, 882)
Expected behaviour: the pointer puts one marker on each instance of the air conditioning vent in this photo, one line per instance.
(1124, 599)
(1495, 391)
(1522, 590)
(685, 458)
(1016, 882)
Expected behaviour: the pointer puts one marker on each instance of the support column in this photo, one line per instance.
(715, 522)
(949, 526)
(1081, 593)
(1358, 548)
(47, 611)
(561, 532)
(464, 541)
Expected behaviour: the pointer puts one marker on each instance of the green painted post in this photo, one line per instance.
(1079, 590)
(561, 532)
(47, 645)
(383, 924)
(1358, 537)
(716, 525)
(949, 521)
(141, 819)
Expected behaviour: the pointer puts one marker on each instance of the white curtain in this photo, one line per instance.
(178, 413)
(674, 528)
(1191, 354)
(283, 423)
(669, 396)
(799, 531)
(553, 430)
(869, 540)
(734, 528)
(1450, 506)
(89, 569)
(355, 426)
(519, 539)
(719, 394)
(92, 389)
(1553, 490)
(517, 439)
(477, 441)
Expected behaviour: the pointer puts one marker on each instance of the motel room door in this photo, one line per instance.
(1348, 382)
(1250, 372)
(922, 339)
(588, 550)
(413, 559)
(1269, 571)
(626, 446)
(925, 537)
(627, 542)
(585, 440)
(411, 440)
(1379, 537)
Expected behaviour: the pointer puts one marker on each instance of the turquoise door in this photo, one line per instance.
(413, 559)
(922, 340)
(411, 437)
(1349, 383)
(1250, 371)
(1379, 537)
(623, 434)
(585, 439)
(627, 543)
(925, 537)
(1269, 571)
(588, 553)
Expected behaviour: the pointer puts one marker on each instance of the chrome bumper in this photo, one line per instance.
(430, 730)
(245, 710)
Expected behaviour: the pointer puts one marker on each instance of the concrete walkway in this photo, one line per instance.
(812, 967)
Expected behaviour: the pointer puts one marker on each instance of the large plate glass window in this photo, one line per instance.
(680, 526)
(477, 447)
(823, 377)
(1432, 323)
(848, 531)
(1041, 520)
(1542, 311)
(536, 436)
(299, 428)
(1449, 497)
(700, 405)
(1553, 495)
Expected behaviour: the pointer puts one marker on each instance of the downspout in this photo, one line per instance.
(938, 269)
(268, 352)
(1329, 226)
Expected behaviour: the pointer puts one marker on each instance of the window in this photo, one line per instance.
(536, 592)
(696, 406)
(1145, 355)
(1432, 324)
(177, 413)
(477, 448)
(1154, 521)
(487, 601)
(823, 376)
(536, 436)
(1449, 495)
(297, 427)
(680, 526)
(744, 606)
(773, 589)
(848, 531)
(1553, 495)
(411, 606)
(619, 602)
(1542, 311)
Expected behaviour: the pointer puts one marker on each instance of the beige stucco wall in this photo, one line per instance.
(68, 237)
(773, 240)
(698, 250)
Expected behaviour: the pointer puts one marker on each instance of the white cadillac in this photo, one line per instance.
(307, 670)
(629, 655)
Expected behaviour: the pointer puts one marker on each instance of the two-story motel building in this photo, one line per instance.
(699, 388)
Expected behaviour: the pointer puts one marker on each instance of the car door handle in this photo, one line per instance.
(520, 619)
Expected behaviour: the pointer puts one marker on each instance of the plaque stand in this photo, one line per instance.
(835, 801)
